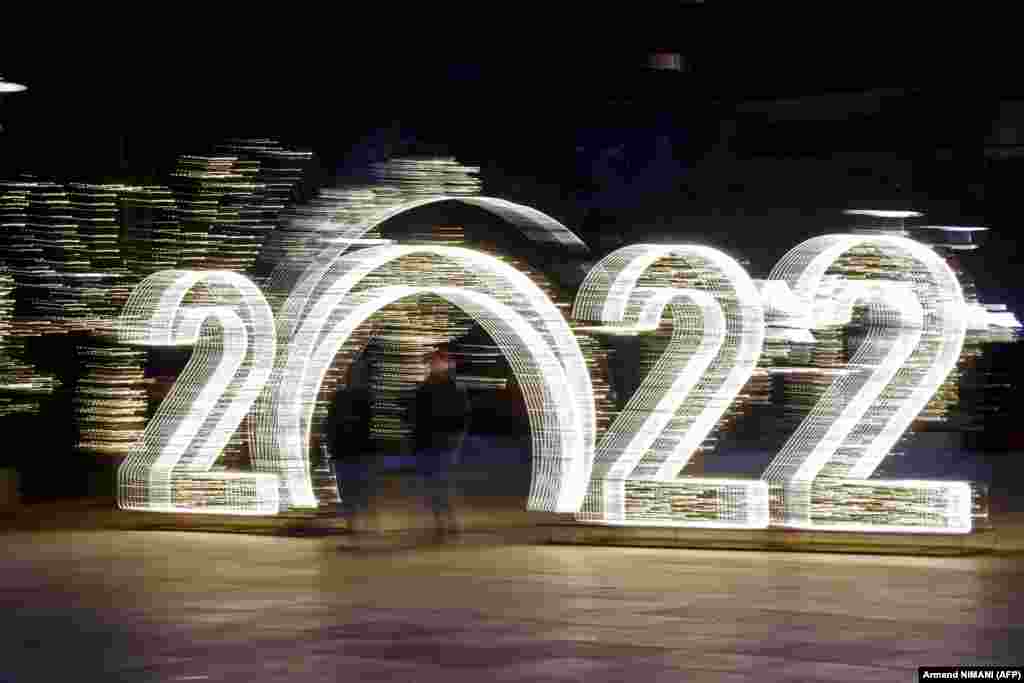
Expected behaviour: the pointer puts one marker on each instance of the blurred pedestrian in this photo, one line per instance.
(442, 413)
(349, 433)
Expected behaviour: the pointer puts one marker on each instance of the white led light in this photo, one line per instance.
(907, 299)
(15, 375)
(716, 341)
(9, 87)
(952, 228)
(562, 432)
(882, 213)
(298, 284)
(915, 330)
(169, 469)
(981, 318)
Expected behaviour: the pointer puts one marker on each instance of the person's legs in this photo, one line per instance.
(430, 478)
(444, 513)
(453, 488)
(349, 509)
(367, 485)
(354, 489)
(440, 502)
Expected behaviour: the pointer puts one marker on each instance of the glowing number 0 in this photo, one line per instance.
(530, 329)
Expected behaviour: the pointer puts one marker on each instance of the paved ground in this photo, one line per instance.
(177, 606)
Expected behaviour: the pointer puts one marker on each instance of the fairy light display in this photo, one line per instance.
(21, 384)
(916, 323)
(263, 181)
(111, 400)
(971, 392)
(309, 283)
(867, 329)
(6, 311)
(75, 251)
(295, 287)
(402, 332)
(232, 334)
(151, 230)
(717, 332)
(716, 339)
(350, 218)
(562, 435)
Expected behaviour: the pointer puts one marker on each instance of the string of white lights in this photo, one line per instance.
(550, 400)
(717, 334)
(563, 446)
(916, 320)
(225, 317)
(911, 307)
(297, 283)
(302, 289)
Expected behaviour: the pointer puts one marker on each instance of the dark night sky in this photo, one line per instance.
(485, 98)
(106, 109)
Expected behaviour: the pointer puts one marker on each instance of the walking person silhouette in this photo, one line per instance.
(349, 434)
(442, 413)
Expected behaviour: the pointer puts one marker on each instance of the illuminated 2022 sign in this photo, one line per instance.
(269, 364)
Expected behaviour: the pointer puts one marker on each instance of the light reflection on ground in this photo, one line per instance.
(173, 606)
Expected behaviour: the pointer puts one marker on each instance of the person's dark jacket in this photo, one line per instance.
(442, 414)
(348, 425)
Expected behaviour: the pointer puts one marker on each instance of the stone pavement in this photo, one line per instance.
(401, 517)
(187, 606)
(495, 480)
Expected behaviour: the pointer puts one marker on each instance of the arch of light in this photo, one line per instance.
(563, 449)
(298, 284)
(915, 325)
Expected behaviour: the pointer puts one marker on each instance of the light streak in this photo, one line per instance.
(8, 87)
(882, 213)
(16, 376)
(301, 289)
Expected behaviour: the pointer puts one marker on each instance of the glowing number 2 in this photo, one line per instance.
(915, 333)
(716, 341)
(168, 470)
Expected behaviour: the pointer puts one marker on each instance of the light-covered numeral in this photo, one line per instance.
(915, 320)
(307, 294)
(718, 332)
(915, 331)
(231, 329)
(529, 328)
